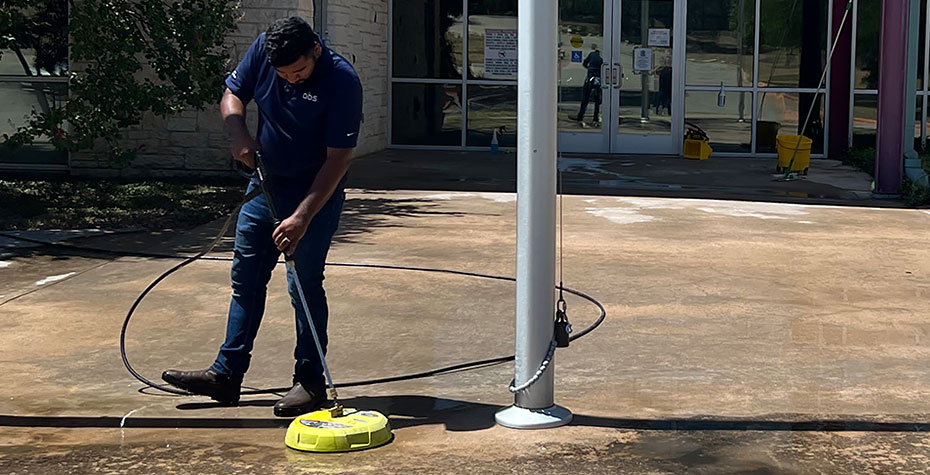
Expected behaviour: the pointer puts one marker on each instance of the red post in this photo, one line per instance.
(841, 68)
(892, 97)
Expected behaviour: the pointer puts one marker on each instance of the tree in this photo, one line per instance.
(128, 57)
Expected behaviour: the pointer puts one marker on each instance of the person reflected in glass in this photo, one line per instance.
(591, 90)
(663, 99)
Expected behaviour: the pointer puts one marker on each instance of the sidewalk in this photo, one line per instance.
(829, 181)
(740, 337)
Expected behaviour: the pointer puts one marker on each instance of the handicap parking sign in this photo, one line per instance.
(576, 56)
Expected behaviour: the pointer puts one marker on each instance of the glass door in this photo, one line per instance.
(647, 95)
(619, 76)
(585, 72)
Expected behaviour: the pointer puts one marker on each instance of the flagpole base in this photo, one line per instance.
(519, 418)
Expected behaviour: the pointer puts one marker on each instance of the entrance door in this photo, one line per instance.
(620, 84)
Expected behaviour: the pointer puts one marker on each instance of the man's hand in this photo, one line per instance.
(244, 148)
(289, 232)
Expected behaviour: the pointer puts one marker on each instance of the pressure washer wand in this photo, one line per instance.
(292, 266)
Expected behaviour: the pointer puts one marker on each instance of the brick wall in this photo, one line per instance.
(194, 142)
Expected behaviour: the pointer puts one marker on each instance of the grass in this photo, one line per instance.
(75, 203)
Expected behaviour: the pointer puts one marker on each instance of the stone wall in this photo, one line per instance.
(194, 142)
(358, 30)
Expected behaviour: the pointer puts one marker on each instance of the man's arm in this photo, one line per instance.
(243, 146)
(327, 179)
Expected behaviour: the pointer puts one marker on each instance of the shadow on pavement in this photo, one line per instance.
(463, 416)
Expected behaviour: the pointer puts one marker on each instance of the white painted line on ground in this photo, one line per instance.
(620, 215)
(54, 278)
(496, 197)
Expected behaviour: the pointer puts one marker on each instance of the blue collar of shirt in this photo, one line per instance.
(324, 65)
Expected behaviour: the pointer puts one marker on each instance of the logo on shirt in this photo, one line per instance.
(310, 97)
(235, 75)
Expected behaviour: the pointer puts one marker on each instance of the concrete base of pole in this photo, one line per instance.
(519, 418)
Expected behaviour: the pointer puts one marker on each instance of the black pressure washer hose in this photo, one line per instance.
(187, 260)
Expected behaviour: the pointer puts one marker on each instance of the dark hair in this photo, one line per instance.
(287, 39)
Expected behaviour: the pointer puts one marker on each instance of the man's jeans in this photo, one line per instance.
(255, 258)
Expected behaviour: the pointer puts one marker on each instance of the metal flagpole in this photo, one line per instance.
(534, 405)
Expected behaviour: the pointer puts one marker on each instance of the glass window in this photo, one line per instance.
(921, 45)
(868, 40)
(792, 42)
(492, 33)
(426, 114)
(22, 98)
(39, 46)
(492, 108)
(581, 39)
(646, 70)
(784, 112)
(865, 120)
(918, 121)
(427, 39)
(729, 128)
(720, 42)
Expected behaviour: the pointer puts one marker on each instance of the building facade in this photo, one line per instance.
(441, 74)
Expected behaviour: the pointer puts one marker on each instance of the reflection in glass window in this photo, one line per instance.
(921, 44)
(492, 29)
(20, 99)
(426, 114)
(490, 109)
(428, 39)
(865, 120)
(39, 45)
(868, 44)
(783, 112)
(646, 70)
(720, 42)
(728, 130)
(868, 40)
(793, 37)
(581, 64)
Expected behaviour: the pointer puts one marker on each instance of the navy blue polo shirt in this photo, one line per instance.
(297, 122)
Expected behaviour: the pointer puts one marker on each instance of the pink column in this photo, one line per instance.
(892, 95)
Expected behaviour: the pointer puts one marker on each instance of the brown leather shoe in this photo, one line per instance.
(299, 401)
(207, 382)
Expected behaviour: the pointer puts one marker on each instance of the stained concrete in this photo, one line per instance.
(742, 337)
(734, 178)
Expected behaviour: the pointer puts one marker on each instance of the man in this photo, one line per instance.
(310, 105)
(592, 83)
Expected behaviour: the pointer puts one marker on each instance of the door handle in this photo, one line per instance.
(607, 75)
(618, 79)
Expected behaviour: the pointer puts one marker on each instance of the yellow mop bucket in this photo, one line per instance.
(697, 144)
(786, 146)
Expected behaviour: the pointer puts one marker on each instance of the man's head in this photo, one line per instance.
(293, 49)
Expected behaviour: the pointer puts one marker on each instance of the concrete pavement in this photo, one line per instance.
(741, 337)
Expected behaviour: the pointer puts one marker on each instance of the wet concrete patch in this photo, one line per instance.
(620, 451)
